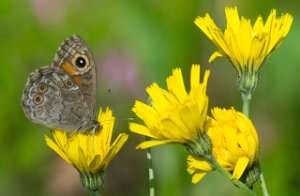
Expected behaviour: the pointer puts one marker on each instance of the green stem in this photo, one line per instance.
(150, 171)
(149, 160)
(246, 98)
(263, 185)
(225, 173)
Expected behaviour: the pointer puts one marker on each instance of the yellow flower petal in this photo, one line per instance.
(198, 164)
(115, 147)
(195, 76)
(60, 137)
(215, 55)
(240, 167)
(204, 24)
(57, 149)
(197, 168)
(152, 143)
(233, 19)
(140, 129)
(158, 99)
(178, 131)
(198, 176)
(93, 165)
(176, 85)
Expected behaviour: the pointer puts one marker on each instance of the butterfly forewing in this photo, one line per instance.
(70, 54)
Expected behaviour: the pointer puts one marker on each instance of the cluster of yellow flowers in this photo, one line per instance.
(227, 139)
(177, 116)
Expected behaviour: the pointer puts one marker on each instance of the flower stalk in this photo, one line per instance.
(150, 171)
(238, 183)
(246, 98)
(263, 185)
(246, 107)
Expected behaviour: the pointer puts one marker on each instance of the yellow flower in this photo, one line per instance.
(89, 153)
(246, 47)
(175, 116)
(234, 144)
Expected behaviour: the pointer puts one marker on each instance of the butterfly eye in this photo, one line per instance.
(38, 99)
(42, 88)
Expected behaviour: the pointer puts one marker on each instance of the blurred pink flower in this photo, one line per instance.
(49, 11)
(120, 73)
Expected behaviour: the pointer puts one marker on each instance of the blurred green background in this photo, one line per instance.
(135, 43)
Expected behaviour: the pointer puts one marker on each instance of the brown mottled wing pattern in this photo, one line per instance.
(64, 95)
(85, 78)
(48, 99)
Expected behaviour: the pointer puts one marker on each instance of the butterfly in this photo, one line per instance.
(64, 94)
